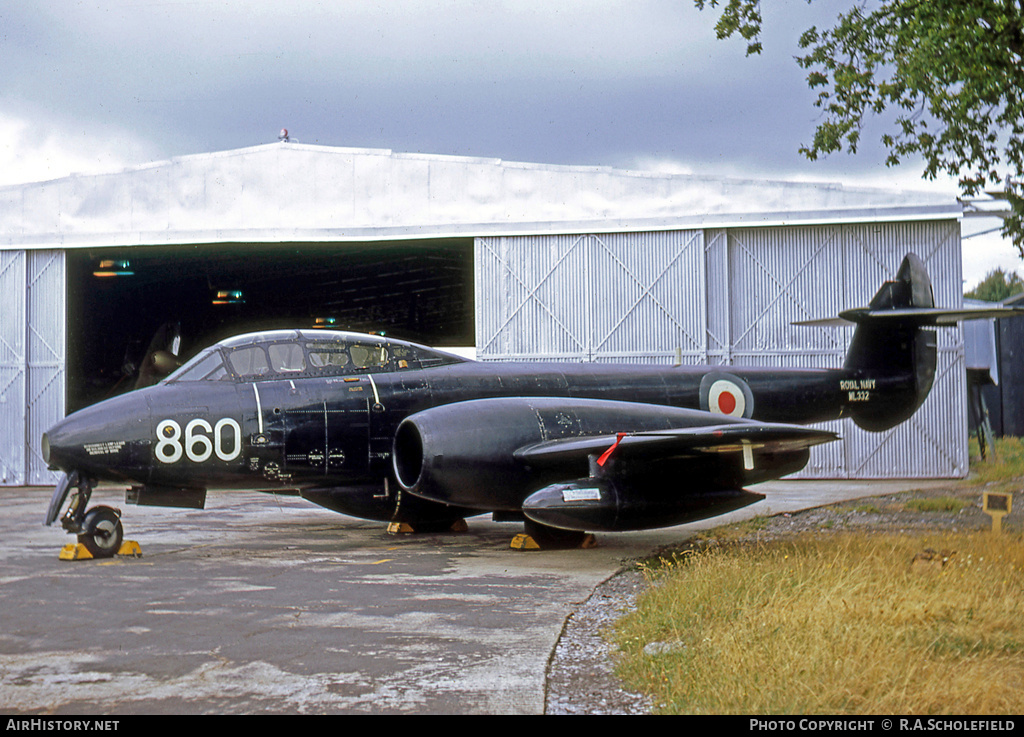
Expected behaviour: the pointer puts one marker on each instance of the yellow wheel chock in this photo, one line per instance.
(77, 551)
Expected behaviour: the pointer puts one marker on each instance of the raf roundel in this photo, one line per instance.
(725, 394)
(726, 398)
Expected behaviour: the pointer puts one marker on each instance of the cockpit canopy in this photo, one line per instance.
(290, 354)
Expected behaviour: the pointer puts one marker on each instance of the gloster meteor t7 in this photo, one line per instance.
(393, 431)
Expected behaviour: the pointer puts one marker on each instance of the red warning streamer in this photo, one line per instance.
(604, 456)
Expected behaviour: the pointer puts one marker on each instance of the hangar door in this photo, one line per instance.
(626, 297)
(729, 297)
(777, 276)
(32, 355)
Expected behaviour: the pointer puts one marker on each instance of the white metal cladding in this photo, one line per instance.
(730, 296)
(32, 360)
(297, 192)
(12, 368)
(531, 297)
(609, 297)
(45, 389)
(645, 297)
(934, 441)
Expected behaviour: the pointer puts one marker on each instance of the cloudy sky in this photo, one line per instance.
(96, 86)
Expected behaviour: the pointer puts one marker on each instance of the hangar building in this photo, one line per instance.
(522, 261)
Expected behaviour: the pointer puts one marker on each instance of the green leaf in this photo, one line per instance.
(954, 68)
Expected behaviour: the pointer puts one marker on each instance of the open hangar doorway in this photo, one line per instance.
(119, 298)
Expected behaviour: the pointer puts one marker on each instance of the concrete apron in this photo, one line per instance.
(269, 604)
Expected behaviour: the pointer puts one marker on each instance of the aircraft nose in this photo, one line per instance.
(104, 440)
(64, 443)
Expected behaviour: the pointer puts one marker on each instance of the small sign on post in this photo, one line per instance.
(996, 504)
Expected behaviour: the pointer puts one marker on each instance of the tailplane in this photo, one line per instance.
(893, 351)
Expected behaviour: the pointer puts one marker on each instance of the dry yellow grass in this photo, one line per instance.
(834, 624)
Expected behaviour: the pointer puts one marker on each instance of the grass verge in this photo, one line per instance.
(1005, 464)
(852, 622)
(838, 624)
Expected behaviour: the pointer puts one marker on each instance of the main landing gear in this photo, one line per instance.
(536, 536)
(99, 530)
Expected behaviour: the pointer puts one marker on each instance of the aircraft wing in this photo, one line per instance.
(734, 437)
(611, 500)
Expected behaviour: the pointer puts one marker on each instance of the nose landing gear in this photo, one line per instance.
(99, 530)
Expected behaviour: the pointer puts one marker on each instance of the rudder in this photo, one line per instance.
(893, 346)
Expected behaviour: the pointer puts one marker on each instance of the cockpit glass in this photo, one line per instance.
(326, 355)
(368, 356)
(249, 361)
(287, 357)
(207, 366)
(298, 355)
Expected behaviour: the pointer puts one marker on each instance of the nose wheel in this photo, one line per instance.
(102, 532)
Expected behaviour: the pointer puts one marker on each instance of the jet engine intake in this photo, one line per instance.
(462, 453)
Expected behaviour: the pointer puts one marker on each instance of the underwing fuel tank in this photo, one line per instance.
(603, 505)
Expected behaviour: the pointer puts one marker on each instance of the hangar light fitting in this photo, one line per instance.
(111, 267)
(228, 297)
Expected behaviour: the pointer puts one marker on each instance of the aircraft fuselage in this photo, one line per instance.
(388, 430)
(337, 432)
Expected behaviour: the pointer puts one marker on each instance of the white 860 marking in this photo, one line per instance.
(197, 446)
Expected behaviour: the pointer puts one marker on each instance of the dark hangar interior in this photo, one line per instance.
(118, 299)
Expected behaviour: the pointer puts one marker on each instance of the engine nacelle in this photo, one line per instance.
(464, 453)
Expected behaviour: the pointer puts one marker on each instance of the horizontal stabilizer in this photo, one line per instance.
(733, 437)
(913, 316)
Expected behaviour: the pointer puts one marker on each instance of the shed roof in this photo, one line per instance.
(296, 192)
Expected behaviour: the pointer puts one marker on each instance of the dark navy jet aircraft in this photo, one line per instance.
(388, 430)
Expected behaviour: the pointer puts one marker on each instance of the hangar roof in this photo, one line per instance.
(289, 191)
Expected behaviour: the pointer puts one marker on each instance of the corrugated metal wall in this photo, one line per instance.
(729, 296)
(32, 360)
(12, 367)
(611, 297)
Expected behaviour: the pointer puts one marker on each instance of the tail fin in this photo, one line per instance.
(891, 360)
(891, 345)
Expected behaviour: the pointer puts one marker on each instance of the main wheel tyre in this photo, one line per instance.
(102, 533)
